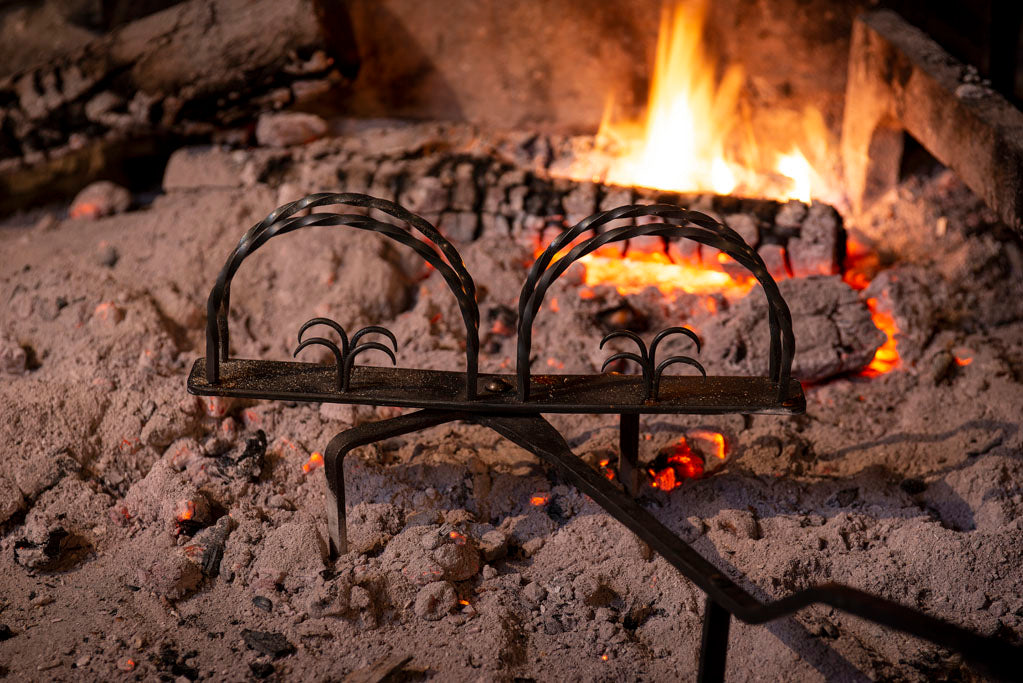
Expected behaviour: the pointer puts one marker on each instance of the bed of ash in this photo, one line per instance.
(148, 534)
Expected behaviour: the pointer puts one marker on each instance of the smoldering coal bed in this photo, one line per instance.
(188, 535)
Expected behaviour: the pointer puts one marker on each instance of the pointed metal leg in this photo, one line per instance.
(346, 441)
(714, 645)
(628, 453)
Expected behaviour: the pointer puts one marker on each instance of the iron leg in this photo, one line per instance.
(345, 442)
(628, 452)
(714, 645)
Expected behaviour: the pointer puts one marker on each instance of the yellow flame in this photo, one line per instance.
(698, 134)
(796, 168)
(678, 147)
(655, 269)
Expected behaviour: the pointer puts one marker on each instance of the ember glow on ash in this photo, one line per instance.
(698, 133)
(315, 461)
(886, 358)
(539, 499)
(862, 263)
(680, 462)
(186, 510)
(715, 440)
(641, 269)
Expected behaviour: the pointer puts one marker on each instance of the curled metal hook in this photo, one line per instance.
(375, 329)
(628, 334)
(672, 361)
(312, 322)
(350, 359)
(339, 358)
(670, 331)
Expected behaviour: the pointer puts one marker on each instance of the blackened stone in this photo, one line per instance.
(261, 669)
(5, 632)
(267, 643)
(913, 486)
(262, 603)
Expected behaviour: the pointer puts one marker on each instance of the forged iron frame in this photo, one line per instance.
(488, 401)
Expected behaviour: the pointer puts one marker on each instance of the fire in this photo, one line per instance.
(681, 463)
(861, 264)
(963, 362)
(697, 134)
(716, 440)
(315, 461)
(642, 269)
(186, 510)
(539, 499)
(886, 358)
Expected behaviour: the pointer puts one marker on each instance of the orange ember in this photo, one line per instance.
(642, 269)
(458, 538)
(682, 463)
(963, 362)
(315, 461)
(85, 210)
(861, 265)
(539, 499)
(715, 439)
(186, 510)
(886, 358)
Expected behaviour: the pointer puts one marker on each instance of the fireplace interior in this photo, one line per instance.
(869, 153)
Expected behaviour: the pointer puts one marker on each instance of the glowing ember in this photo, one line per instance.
(85, 210)
(716, 440)
(962, 362)
(315, 461)
(186, 510)
(697, 134)
(886, 358)
(861, 264)
(681, 463)
(464, 603)
(458, 538)
(605, 468)
(539, 499)
(642, 269)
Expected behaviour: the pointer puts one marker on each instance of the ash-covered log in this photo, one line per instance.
(175, 74)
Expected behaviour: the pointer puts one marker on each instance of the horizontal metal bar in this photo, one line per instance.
(438, 389)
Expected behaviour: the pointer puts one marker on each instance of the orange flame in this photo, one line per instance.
(539, 499)
(642, 269)
(315, 461)
(682, 464)
(696, 134)
(186, 510)
(886, 358)
(716, 439)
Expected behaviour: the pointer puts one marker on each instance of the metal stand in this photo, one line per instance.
(511, 405)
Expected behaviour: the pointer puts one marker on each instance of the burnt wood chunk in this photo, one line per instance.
(901, 80)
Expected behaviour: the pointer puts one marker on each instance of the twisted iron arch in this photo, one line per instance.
(677, 222)
(438, 252)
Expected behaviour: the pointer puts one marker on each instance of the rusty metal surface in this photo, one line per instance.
(402, 387)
